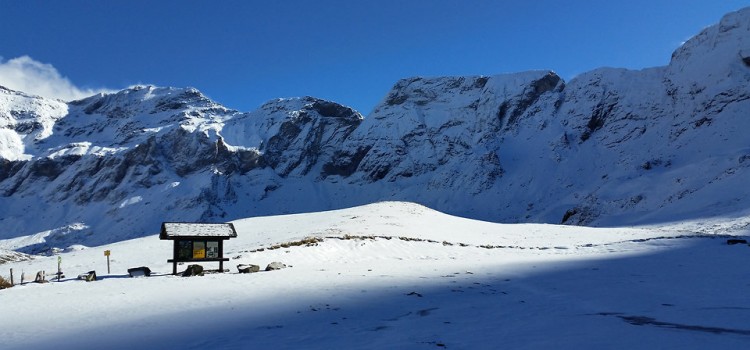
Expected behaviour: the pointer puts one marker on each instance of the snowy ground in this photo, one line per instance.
(398, 275)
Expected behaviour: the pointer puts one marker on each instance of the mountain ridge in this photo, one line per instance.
(609, 147)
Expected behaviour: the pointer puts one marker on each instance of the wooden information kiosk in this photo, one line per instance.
(196, 242)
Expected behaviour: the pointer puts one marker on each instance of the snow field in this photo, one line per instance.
(613, 288)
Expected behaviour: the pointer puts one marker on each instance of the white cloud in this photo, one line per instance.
(37, 78)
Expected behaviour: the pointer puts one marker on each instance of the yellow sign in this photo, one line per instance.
(106, 253)
(199, 250)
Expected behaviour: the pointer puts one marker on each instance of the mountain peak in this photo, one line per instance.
(718, 51)
(147, 99)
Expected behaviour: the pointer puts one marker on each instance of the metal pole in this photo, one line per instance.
(108, 265)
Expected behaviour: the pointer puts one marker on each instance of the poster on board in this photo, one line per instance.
(184, 250)
(199, 250)
(212, 249)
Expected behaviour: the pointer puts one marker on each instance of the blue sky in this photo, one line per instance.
(243, 53)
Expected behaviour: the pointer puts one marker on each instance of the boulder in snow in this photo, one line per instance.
(250, 268)
(193, 270)
(88, 276)
(41, 277)
(275, 266)
(733, 241)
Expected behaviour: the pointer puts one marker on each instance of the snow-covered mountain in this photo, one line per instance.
(610, 147)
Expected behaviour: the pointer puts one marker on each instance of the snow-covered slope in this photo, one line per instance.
(609, 147)
(399, 275)
(24, 121)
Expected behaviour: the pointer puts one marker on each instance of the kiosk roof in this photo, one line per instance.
(172, 230)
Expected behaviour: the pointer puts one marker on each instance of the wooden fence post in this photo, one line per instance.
(11, 278)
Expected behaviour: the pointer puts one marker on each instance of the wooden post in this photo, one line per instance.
(174, 257)
(106, 253)
(11, 278)
(221, 255)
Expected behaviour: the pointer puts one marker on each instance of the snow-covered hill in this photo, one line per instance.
(400, 276)
(610, 147)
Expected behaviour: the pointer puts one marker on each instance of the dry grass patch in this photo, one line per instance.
(4, 283)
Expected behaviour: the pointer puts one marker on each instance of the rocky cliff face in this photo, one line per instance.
(612, 146)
